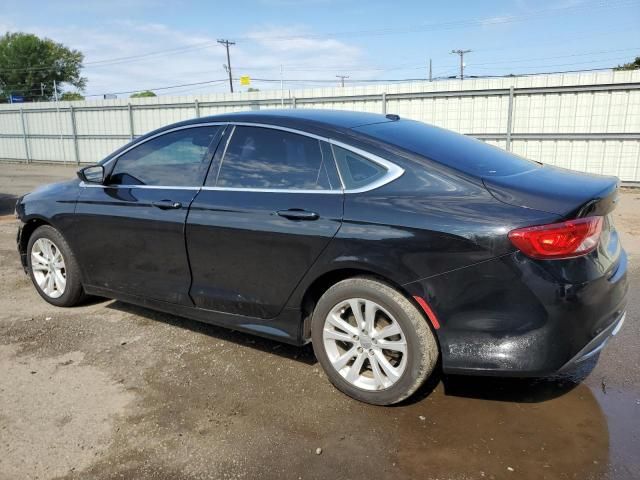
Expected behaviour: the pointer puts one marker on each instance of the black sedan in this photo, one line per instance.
(388, 243)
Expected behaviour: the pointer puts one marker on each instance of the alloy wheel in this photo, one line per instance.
(365, 344)
(48, 267)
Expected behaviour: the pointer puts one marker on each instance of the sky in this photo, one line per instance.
(133, 45)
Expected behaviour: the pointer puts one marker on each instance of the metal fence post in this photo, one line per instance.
(197, 106)
(74, 132)
(636, 177)
(509, 120)
(24, 136)
(130, 121)
(384, 103)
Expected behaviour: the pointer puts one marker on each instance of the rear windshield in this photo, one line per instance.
(449, 148)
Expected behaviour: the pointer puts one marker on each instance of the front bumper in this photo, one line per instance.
(21, 248)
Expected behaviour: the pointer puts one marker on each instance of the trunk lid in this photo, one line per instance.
(570, 195)
(566, 193)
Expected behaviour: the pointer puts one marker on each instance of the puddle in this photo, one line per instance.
(621, 409)
(491, 428)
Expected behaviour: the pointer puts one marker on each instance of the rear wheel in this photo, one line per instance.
(372, 342)
(53, 268)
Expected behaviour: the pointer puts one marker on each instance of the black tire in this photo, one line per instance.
(73, 292)
(422, 348)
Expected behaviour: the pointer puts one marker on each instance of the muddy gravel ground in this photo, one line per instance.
(109, 391)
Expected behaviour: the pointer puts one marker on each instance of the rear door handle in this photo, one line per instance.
(167, 205)
(296, 214)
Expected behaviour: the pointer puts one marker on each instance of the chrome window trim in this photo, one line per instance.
(150, 187)
(393, 171)
(272, 190)
(279, 127)
(225, 189)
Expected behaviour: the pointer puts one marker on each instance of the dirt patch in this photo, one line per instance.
(58, 414)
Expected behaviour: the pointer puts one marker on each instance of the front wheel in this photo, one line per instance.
(53, 268)
(372, 342)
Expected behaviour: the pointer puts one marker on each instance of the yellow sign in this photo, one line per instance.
(245, 80)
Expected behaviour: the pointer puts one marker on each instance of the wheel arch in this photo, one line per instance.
(322, 283)
(27, 230)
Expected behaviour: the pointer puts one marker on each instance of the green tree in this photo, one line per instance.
(29, 65)
(629, 66)
(70, 96)
(251, 89)
(146, 93)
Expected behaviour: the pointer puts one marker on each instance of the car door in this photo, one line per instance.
(129, 234)
(271, 203)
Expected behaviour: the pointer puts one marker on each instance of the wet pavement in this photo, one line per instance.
(109, 390)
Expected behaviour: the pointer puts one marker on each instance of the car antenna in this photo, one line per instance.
(392, 116)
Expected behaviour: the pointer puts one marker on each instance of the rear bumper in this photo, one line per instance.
(594, 346)
(515, 317)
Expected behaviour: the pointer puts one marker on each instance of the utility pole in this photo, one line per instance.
(282, 86)
(342, 77)
(461, 53)
(227, 44)
(430, 77)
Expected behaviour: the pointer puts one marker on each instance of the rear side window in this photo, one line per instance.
(176, 158)
(267, 158)
(449, 148)
(355, 170)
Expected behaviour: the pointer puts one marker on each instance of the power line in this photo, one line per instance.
(582, 54)
(108, 62)
(418, 66)
(553, 72)
(193, 89)
(112, 61)
(587, 62)
(359, 33)
(159, 88)
(438, 75)
(325, 81)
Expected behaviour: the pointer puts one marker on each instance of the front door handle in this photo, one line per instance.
(297, 214)
(167, 205)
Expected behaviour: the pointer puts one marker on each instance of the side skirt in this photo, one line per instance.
(284, 328)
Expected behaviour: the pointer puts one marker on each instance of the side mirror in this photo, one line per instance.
(92, 174)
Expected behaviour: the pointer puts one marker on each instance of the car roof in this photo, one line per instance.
(308, 118)
(320, 122)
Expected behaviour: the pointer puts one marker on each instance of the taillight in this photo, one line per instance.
(559, 240)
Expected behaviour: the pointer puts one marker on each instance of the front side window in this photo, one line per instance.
(266, 158)
(178, 158)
